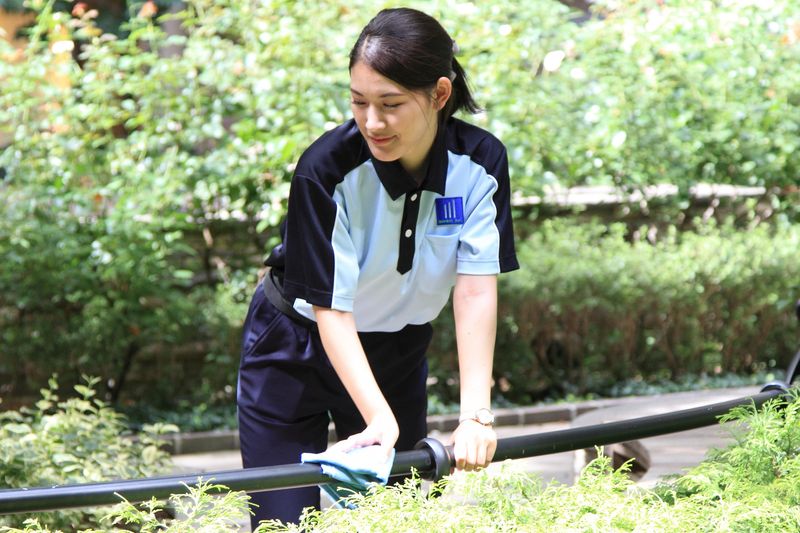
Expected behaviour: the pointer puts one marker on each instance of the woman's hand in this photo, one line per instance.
(473, 445)
(381, 430)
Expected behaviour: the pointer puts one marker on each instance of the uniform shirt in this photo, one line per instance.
(361, 235)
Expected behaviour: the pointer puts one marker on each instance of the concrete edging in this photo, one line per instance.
(219, 440)
(212, 441)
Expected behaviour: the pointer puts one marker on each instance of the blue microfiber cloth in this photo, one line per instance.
(354, 471)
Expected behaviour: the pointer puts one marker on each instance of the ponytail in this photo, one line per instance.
(462, 96)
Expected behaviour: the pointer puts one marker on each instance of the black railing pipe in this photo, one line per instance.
(137, 490)
(611, 432)
(432, 460)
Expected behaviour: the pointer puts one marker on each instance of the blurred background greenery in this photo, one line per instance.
(147, 149)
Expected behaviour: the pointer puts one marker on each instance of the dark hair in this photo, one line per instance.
(412, 49)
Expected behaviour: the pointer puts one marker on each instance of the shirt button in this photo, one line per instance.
(408, 233)
(414, 197)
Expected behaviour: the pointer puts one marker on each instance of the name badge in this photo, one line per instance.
(449, 211)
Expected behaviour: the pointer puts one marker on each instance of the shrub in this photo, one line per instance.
(78, 440)
(590, 309)
(127, 153)
(649, 92)
(752, 485)
(202, 510)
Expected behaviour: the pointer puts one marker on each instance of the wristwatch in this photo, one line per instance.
(482, 416)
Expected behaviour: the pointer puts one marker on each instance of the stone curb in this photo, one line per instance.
(213, 441)
(219, 440)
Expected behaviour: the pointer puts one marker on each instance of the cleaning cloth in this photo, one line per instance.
(353, 471)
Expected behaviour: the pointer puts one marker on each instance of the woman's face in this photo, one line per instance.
(397, 124)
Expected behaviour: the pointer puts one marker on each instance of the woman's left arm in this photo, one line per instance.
(475, 312)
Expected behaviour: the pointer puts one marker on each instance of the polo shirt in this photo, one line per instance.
(362, 236)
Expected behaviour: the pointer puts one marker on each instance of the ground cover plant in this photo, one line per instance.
(80, 439)
(752, 485)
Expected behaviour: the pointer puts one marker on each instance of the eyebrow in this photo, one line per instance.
(384, 95)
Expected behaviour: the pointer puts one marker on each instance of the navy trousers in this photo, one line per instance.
(288, 393)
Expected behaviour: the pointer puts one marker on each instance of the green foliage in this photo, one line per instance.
(206, 508)
(592, 308)
(674, 92)
(77, 440)
(186, 415)
(765, 454)
(202, 509)
(126, 152)
(752, 485)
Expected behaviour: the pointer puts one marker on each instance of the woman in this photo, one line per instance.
(386, 214)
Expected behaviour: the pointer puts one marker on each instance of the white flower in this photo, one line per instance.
(552, 61)
(618, 139)
(62, 47)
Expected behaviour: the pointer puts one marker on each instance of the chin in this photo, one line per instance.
(386, 157)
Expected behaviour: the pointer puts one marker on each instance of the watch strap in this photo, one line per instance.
(483, 416)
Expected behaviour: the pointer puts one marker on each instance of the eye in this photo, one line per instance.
(392, 106)
(358, 103)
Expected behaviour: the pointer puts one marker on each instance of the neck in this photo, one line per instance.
(418, 169)
(421, 171)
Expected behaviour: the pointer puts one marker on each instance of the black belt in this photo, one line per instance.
(273, 292)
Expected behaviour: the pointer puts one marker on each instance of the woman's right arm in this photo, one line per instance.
(337, 329)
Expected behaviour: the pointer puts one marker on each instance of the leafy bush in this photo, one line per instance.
(590, 309)
(676, 92)
(752, 485)
(202, 509)
(78, 440)
(129, 153)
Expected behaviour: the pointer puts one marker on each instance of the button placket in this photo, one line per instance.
(407, 245)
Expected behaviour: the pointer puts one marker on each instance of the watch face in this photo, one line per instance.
(484, 416)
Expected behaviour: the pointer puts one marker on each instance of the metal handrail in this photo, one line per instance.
(431, 460)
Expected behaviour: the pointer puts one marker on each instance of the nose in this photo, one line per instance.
(375, 120)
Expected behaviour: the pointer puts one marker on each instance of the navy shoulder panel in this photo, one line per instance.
(480, 145)
(333, 155)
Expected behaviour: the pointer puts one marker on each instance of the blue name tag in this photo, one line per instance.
(449, 210)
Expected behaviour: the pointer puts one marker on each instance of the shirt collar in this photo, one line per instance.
(398, 182)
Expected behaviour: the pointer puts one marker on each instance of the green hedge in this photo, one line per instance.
(644, 92)
(590, 309)
(676, 92)
(159, 136)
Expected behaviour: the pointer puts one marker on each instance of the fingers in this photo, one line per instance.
(382, 431)
(474, 446)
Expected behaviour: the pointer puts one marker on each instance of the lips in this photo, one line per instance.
(380, 141)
